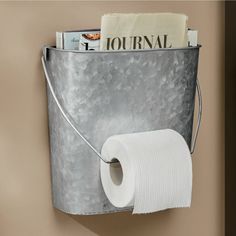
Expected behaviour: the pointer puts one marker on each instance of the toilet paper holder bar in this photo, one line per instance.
(71, 122)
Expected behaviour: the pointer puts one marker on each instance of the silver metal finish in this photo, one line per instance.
(107, 93)
(66, 117)
(89, 144)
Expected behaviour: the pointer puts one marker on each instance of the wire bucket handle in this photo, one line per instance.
(71, 122)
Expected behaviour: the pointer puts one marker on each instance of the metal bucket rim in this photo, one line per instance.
(122, 51)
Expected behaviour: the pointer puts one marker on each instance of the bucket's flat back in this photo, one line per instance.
(107, 94)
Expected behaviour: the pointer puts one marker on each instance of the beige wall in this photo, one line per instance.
(25, 197)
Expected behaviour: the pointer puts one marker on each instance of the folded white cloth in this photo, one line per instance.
(154, 171)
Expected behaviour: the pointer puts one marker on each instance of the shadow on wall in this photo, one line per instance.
(125, 223)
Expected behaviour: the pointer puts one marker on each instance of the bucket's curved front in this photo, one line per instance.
(106, 94)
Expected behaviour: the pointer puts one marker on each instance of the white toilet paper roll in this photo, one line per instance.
(154, 171)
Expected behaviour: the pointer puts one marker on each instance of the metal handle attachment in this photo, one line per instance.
(65, 115)
(71, 122)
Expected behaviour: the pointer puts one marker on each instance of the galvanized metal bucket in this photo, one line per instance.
(93, 95)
